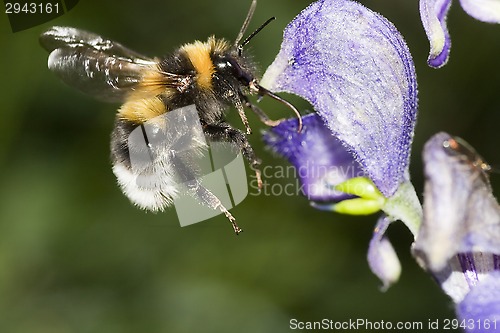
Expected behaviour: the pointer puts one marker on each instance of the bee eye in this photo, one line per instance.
(230, 63)
(224, 64)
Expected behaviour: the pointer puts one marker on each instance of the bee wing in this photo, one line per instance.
(94, 65)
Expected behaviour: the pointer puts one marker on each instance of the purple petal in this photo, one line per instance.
(319, 158)
(480, 309)
(464, 271)
(382, 257)
(483, 10)
(433, 15)
(355, 69)
(460, 213)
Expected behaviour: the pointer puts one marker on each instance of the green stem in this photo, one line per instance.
(405, 206)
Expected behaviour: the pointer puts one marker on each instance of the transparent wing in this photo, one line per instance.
(94, 65)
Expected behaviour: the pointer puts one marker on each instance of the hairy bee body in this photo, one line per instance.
(206, 72)
(211, 75)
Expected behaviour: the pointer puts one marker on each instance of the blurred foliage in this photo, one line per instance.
(75, 256)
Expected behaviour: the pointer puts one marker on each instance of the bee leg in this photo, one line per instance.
(243, 116)
(200, 192)
(261, 114)
(209, 199)
(225, 133)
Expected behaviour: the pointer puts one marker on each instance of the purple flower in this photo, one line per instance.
(355, 69)
(382, 257)
(320, 158)
(433, 14)
(459, 240)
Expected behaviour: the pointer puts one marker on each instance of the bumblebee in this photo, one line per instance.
(211, 75)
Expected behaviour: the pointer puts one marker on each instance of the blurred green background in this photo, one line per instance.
(75, 256)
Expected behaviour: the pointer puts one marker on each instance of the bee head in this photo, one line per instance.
(234, 65)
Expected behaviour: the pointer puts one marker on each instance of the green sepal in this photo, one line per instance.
(361, 187)
(358, 206)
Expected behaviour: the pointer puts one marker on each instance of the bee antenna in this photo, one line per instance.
(246, 22)
(252, 35)
(263, 91)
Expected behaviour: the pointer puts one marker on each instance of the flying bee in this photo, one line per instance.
(211, 75)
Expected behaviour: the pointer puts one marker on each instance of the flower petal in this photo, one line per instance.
(319, 158)
(464, 271)
(460, 213)
(382, 257)
(483, 10)
(480, 309)
(433, 15)
(354, 67)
